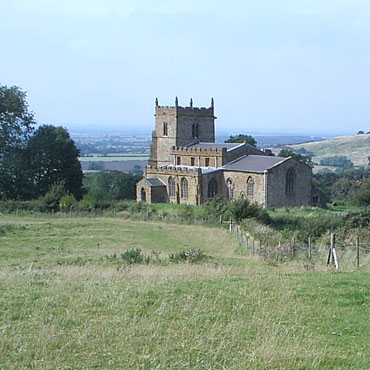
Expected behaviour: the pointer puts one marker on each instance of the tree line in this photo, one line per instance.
(42, 162)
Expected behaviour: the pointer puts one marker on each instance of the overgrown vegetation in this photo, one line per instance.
(65, 304)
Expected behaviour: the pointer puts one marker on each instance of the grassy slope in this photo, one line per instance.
(76, 309)
(356, 148)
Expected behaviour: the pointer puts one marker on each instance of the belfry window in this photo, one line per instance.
(212, 188)
(250, 187)
(178, 161)
(290, 181)
(171, 187)
(192, 161)
(165, 129)
(194, 130)
(230, 189)
(184, 188)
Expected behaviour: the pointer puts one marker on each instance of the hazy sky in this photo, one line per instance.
(271, 65)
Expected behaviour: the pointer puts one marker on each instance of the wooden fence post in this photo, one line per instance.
(358, 252)
(294, 249)
(332, 258)
(253, 246)
(309, 248)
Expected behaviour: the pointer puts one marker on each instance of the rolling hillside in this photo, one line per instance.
(356, 148)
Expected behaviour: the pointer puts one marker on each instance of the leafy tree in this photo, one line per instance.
(16, 126)
(111, 185)
(285, 153)
(336, 161)
(242, 139)
(341, 189)
(53, 158)
(361, 196)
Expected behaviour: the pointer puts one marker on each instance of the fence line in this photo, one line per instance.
(339, 256)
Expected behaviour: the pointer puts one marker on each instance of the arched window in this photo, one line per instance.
(184, 188)
(230, 189)
(250, 187)
(165, 129)
(290, 181)
(212, 188)
(171, 187)
(194, 130)
(143, 195)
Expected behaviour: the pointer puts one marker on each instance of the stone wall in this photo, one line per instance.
(193, 178)
(276, 185)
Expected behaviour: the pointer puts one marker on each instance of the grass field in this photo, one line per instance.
(67, 303)
(355, 148)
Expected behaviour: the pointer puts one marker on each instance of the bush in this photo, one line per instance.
(67, 202)
(134, 256)
(242, 209)
(191, 256)
(51, 200)
(214, 209)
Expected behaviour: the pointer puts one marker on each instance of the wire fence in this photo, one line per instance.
(339, 257)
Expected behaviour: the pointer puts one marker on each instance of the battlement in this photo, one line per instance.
(186, 150)
(173, 170)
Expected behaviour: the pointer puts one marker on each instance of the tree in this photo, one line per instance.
(111, 185)
(336, 161)
(285, 153)
(242, 139)
(53, 158)
(16, 126)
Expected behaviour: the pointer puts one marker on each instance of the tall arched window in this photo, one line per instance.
(230, 189)
(212, 188)
(184, 188)
(194, 130)
(165, 129)
(143, 195)
(171, 187)
(250, 187)
(290, 181)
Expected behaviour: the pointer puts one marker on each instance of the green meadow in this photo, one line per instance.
(68, 300)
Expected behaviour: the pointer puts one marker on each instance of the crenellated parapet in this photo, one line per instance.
(183, 150)
(173, 170)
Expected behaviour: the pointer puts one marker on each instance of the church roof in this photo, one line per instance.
(253, 163)
(155, 182)
(228, 146)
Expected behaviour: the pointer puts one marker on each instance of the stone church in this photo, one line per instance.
(187, 166)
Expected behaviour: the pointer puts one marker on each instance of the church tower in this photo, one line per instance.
(180, 126)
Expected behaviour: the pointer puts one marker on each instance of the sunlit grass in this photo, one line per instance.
(65, 305)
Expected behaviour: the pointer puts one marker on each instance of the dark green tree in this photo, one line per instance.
(16, 126)
(285, 153)
(111, 185)
(242, 139)
(53, 158)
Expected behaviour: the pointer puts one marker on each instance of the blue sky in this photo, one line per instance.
(272, 65)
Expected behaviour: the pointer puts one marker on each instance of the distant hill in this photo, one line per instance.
(355, 147)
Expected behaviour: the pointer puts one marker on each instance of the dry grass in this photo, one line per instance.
(237, 314)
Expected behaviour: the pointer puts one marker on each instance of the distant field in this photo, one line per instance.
(355, 147)
(68, 301)
(129, 157)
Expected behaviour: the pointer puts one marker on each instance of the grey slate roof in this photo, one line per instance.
(253, 163)
(228, 146)
(155, 182)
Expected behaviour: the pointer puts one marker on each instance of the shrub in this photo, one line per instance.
(67, 202)
(242, 209)
(134, 256)
(186, 212)
(191, 256)
(50, 201)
